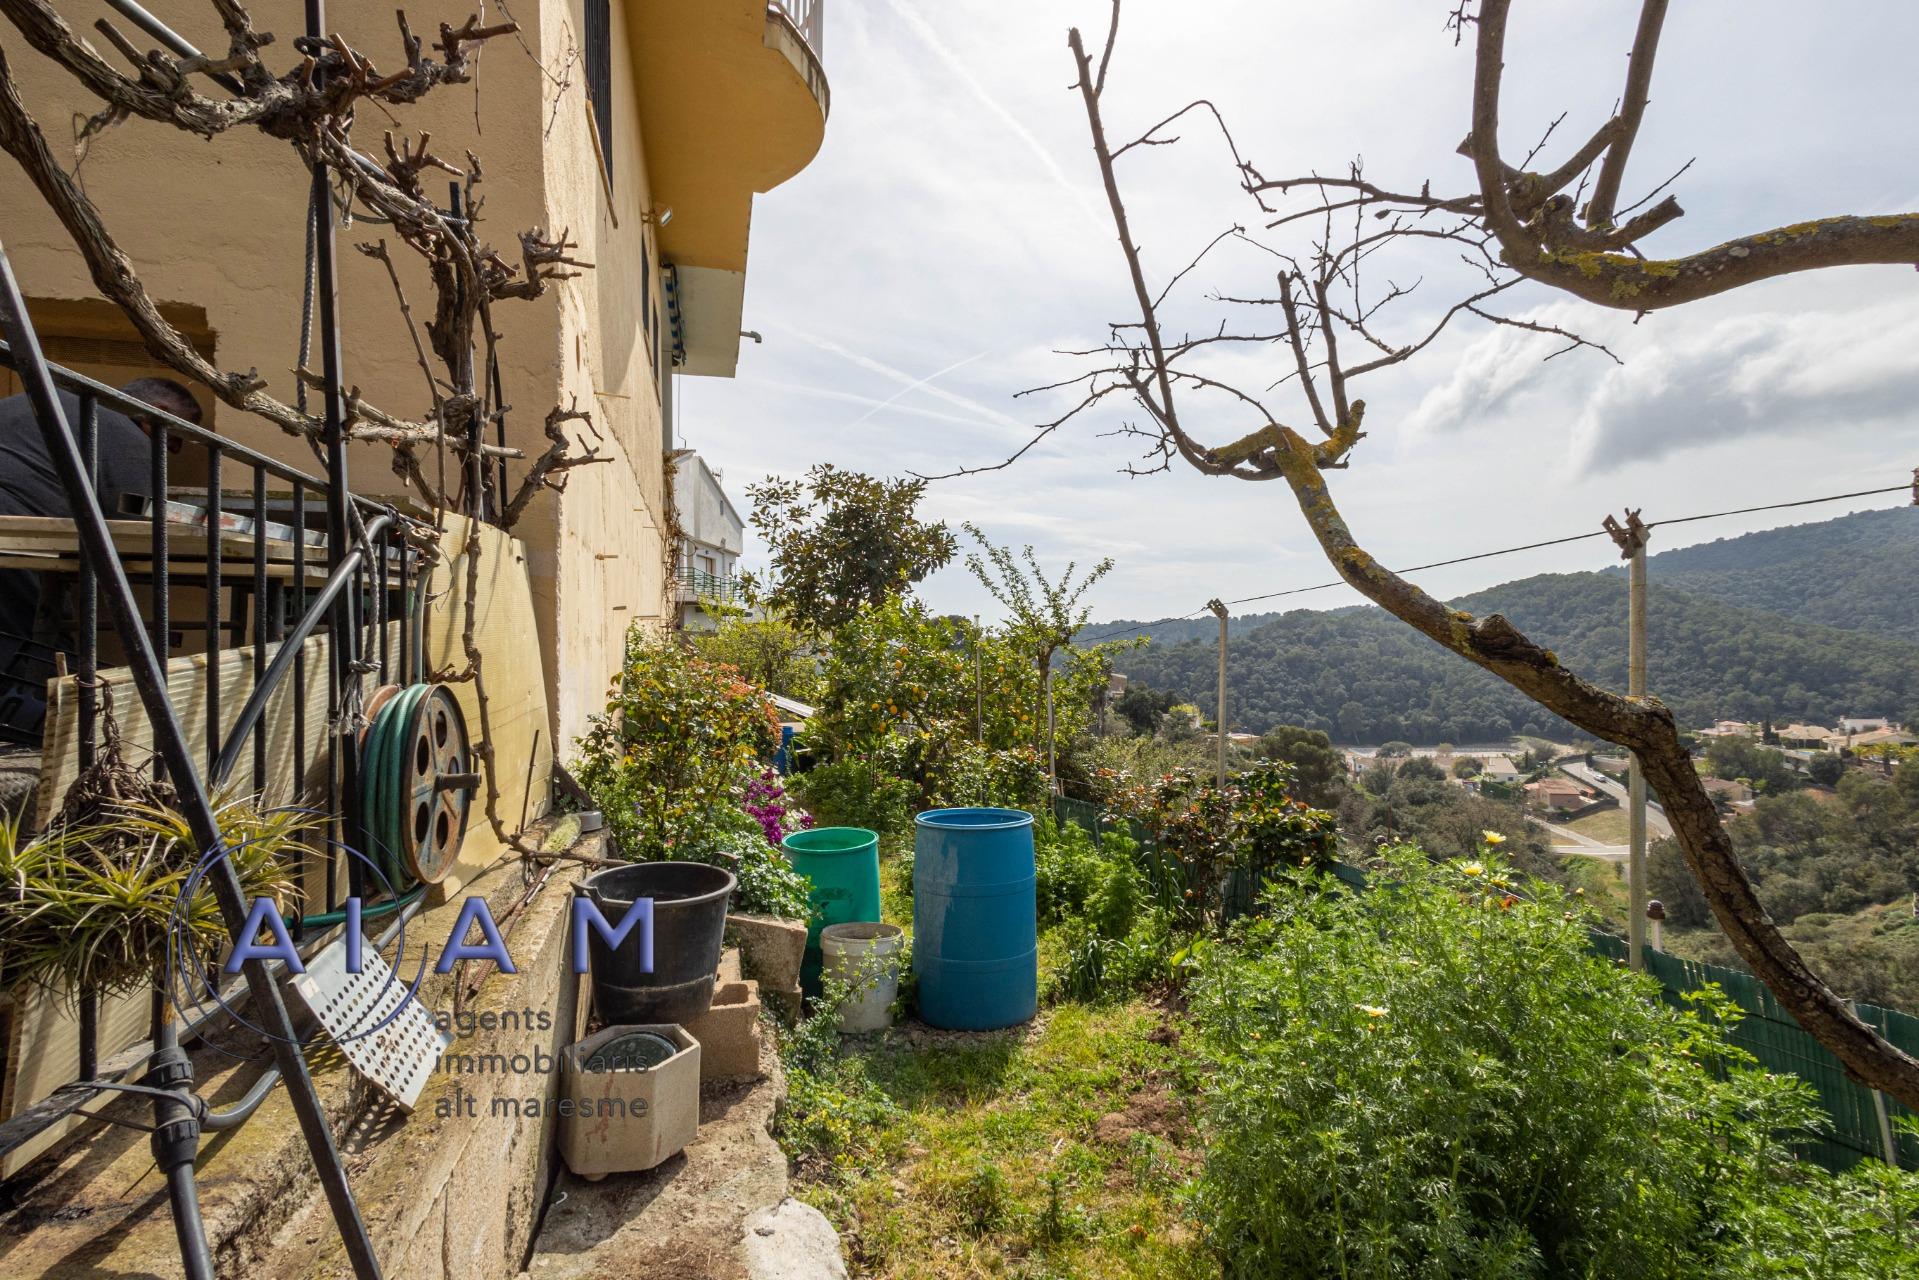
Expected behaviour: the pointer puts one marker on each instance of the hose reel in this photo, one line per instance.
(417, 779)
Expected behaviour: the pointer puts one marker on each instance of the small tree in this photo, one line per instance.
(843, 541)
(768, 651)
(1141, 707)
(1826, 768)
(1330, 242)
(1318, 769)
(1042, 617)
(1467, 767)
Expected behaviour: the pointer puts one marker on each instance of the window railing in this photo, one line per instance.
(807, 18)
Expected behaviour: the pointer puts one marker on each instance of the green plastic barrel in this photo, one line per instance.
(843, 864)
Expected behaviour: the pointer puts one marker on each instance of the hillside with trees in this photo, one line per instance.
(1859, 572)
(1360, 676)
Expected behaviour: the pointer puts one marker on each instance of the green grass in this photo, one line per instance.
(999, 1154)
(1602, 882)
(1608, 826)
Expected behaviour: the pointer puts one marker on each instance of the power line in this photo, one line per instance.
(1910, 487)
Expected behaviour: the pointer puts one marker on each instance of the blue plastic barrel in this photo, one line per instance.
(975, 920)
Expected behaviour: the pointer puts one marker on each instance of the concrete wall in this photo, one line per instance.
(610, 528)
(218, 225)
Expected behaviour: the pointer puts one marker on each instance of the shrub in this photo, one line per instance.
(667, 760)
(768, 885)
(1204, 833)
(1439, 1078)
(857, 792)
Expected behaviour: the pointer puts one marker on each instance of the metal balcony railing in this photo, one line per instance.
(695, 585)
(807, 19)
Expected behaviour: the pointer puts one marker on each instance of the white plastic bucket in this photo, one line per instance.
(869, 955)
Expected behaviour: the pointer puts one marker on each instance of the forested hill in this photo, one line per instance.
(1363, 676)
(1859, 572)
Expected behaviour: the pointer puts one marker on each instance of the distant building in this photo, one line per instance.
(1887, 734)
(1806, 737)
(1557, 794)
(1863, 724)
(1499, 769)
(712, 535)
(1728, 792)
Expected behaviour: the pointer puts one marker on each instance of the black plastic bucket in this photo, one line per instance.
(689, 921)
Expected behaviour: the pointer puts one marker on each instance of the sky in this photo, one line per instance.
(952, 239)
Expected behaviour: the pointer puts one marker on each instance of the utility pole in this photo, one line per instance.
(979, 694)
(1631, 539)
(1052, 760)
(1219, 611)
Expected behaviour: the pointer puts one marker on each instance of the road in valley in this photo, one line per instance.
(1656, 824)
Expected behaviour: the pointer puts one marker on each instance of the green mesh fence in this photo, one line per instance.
(1771, 1035)
(1767, 1031)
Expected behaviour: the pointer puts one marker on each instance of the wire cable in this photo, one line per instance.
(1911, 487)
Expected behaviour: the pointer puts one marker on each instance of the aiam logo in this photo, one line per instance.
(266, 936)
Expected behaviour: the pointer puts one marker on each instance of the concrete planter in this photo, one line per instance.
(627, 1119)
(772, 950)
(729, 1033)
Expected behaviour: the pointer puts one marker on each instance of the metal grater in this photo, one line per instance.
(402, 1053)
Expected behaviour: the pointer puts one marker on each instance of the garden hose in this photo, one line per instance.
(382, 815)
(417, 783)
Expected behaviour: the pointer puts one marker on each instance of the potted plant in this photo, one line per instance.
(88, 904)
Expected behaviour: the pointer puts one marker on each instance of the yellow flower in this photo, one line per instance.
(1473, 868)
(1371, 1010)
(1492, 837)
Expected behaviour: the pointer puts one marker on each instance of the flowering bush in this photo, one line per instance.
(668, 761)
(766, 802)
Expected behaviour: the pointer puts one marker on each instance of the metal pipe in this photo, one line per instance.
(170, 741)
(341, 626)
(174, 44)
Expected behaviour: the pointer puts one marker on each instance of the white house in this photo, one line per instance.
(712, 535)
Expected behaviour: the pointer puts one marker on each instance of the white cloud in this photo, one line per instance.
(927, 265)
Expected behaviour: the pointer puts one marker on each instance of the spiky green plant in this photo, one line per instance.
(86, 907)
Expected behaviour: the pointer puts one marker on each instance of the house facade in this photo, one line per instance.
(641, 129)
(712, 535)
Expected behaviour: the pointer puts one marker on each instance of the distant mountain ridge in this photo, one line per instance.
(1858, 572)
(1836, 643)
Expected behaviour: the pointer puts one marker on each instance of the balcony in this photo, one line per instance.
(732, 101)
(695, 586)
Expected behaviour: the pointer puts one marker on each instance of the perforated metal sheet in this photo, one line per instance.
(399, 1056)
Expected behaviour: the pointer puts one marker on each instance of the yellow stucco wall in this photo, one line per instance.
(218, 225)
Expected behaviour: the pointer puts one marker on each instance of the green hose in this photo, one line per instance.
(327, 919)
(383, 798)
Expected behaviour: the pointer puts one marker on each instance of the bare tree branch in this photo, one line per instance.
(1532, 223)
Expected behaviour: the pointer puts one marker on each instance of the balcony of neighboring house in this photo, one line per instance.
(698, 586)
(733, 101)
